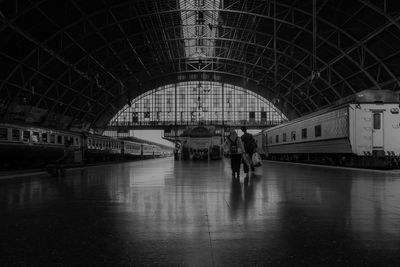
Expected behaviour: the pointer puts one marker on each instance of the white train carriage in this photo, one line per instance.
(147, 150)
(132, 149)
(100, 148)
(157, 151)
(368, 128)
(260, 141)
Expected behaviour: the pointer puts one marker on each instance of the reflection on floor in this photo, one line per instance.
(165, 213)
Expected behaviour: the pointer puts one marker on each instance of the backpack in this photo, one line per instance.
(233, 149)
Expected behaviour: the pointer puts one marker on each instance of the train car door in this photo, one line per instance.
(377, 129)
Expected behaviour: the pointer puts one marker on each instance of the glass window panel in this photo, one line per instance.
(16, 134)
(304, 133)
(3, 133)
(205, 102)
(293, 136)
(26, 136)
(35, 137)
(377, 121)
(317, 130)
(44, 137)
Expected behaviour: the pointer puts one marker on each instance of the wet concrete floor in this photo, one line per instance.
(166, 213)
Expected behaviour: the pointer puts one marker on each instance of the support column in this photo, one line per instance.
(176, 105)
(223, 105)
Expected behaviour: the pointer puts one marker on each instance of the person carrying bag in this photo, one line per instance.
(234, 147)
(250, 147)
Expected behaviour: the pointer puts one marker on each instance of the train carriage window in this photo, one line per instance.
(66, 139)
(277, 138)
(304, 133)
(26, 136)
(59, 139)
(77, 141)
(35, 137)
(284, 137)
(52, 138)
(317, 130)
(377, 121)
(15, 134)
(3, 134)
(270, 140)
(44, 137)
(293, 136)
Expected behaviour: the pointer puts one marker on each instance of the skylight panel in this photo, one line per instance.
(199, 21)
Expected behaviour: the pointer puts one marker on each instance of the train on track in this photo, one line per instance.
(31, 146)
(362, 131)
(201, 143)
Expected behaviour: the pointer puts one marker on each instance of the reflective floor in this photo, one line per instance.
(166, 213)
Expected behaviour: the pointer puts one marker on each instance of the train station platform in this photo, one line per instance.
(163, 212)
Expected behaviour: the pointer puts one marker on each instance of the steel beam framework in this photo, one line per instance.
(85, 61)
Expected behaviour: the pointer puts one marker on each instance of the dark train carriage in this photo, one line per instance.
(102, 148)
(32, 146)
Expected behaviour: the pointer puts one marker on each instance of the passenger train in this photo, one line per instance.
(31, 146)
(201, 143)
(363, 131)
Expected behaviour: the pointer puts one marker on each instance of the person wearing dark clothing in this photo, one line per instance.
(68, 153)
(234, 147)
(57, 169)
(250, 147)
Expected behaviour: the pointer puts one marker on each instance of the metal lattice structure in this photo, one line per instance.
(77, 63)
(194, 103)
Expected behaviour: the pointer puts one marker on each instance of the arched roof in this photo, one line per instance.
(86, 59)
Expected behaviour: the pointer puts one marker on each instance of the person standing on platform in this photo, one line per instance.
(234, 147)
(250, 147)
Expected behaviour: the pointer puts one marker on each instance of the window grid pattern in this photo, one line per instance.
(199, 36)
(192, 103)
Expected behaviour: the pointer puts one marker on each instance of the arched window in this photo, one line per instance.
(198, 102)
